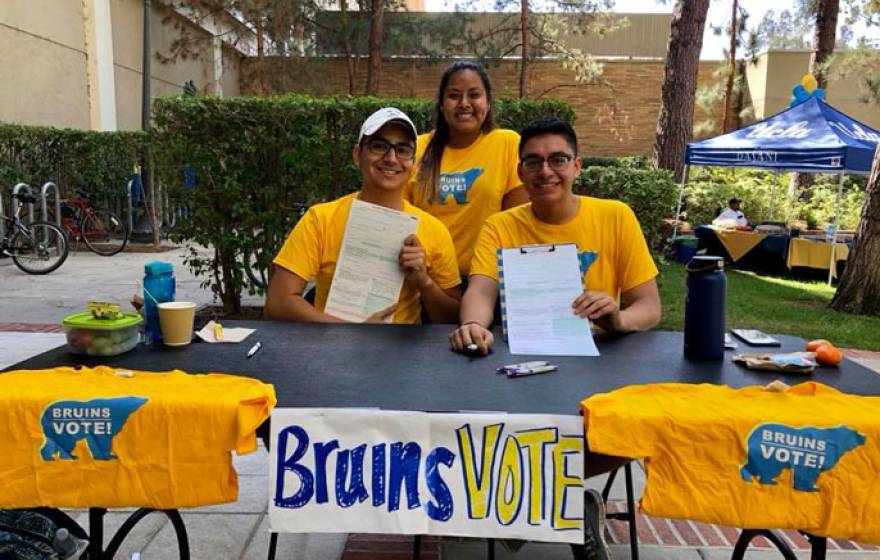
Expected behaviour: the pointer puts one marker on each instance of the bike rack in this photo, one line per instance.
(128, 189)
(169, 215)
(27, 188)
(44, 193)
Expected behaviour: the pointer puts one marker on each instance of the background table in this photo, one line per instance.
(767, 255)
(811, 253)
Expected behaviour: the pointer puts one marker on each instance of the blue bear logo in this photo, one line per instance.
(808, 452)
(457, 185)
(585, 261)
(97, 421)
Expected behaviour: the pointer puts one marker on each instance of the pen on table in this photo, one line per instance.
(472, 347)
(254, 349)
(532, 371)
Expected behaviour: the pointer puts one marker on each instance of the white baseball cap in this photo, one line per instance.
(384, 116)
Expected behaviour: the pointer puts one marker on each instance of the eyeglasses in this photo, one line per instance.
(380, 147)
(557, 162)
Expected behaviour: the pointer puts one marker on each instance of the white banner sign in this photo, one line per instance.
(478, 475)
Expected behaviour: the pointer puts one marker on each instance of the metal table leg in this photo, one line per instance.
(748, 535)
(96, 532)
(630, 514)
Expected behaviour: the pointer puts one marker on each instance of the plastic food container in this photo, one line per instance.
(101, 337)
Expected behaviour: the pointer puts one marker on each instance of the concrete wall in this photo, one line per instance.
(167, 79)
(642, 35)
(49, 62)
(771, 80)
(43, 63)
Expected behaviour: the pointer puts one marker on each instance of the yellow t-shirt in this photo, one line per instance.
(473, 182)
(606, 230)
(804, 459)
(93, 437)
(312, 249)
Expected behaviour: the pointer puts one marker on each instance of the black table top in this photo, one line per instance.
(410, 367)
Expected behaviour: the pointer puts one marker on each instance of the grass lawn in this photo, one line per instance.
(774, 305)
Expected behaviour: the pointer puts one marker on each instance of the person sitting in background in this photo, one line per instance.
(732, 216)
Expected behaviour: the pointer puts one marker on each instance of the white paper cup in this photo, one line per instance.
(176, 319)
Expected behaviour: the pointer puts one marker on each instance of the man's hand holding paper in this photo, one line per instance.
(368, 275)
(600, 308)
(412, 260)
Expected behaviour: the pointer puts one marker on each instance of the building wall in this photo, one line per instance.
(167, 79)
(44, 63)
(639, 36)
(608, 122)
(48, 62)
(771, 80)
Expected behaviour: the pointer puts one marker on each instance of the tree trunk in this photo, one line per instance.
(859, 288)
(727, 125)
(524, 60)
(374, 70)
(824, 37)
(676, 120)
(261, 49)
(346, 46)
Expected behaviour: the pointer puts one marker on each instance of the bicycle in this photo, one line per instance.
(35, 248)
(102, 231)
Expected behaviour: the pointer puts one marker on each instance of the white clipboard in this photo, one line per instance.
(537, 285)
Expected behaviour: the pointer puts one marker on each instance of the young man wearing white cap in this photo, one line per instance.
(384, 153)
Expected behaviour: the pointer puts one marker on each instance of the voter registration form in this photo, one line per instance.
(368, 276)
(540, 283)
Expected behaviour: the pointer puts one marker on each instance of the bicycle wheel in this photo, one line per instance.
(103, 232)
(39, 248)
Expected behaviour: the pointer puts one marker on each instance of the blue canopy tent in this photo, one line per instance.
(811, 137)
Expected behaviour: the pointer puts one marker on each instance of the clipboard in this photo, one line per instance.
(548, 279)
(524, 250)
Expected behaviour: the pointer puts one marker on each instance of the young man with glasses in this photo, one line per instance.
(384, 154)
(615, 263)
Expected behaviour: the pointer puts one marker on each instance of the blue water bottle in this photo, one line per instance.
(704, 308)
(159, 287)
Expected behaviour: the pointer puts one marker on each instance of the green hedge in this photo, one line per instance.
(256, 160)
(98, 162)
(651, 193)
(710, 188)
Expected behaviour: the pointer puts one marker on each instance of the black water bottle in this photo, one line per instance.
(704, 308)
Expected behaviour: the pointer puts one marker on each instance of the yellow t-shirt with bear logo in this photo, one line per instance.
(312, 250)
(806, 458)
(106, 437)
(473, 182)
(606, 233)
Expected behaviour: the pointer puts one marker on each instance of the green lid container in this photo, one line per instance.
(86, 320)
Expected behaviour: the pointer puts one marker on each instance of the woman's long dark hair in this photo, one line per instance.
(429, 170)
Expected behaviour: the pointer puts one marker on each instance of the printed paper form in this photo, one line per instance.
(540, 284)
(368, 276)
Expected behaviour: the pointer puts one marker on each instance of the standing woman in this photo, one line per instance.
(467, 169)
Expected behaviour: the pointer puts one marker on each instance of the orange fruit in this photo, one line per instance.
(828, 355)
(814, 344)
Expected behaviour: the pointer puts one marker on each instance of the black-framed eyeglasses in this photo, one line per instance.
(380, 147)
(557, 161)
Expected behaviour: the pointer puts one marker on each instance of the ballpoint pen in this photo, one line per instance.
(254, 349)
